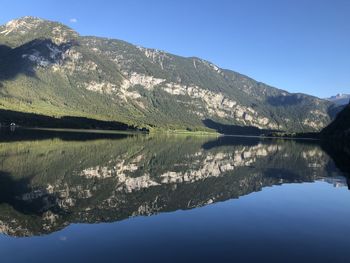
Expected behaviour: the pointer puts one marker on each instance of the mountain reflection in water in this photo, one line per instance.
(47, 184)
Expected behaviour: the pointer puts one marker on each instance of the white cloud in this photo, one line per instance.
(73, 20)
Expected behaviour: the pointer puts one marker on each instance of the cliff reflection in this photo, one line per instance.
(49, 184)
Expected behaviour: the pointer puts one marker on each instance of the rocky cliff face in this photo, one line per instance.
(49, 69)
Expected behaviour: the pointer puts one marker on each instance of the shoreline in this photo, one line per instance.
(160, 132)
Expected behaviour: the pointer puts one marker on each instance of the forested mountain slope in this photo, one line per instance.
(49, 69)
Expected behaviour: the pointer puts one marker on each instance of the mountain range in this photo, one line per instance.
(48, 69)
(340, 99)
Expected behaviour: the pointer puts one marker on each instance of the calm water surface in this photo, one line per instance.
(139, 198)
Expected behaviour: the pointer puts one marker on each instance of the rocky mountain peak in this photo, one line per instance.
(21, 25)
(25, 29)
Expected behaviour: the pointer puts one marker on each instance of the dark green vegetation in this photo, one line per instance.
(47, 184)
(336, 139)
(48, 69)
(36, 120)
(339, 129)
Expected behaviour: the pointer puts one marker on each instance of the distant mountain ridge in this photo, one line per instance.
(47, 68)
(340, 99)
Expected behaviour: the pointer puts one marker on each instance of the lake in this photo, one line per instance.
(70, 197)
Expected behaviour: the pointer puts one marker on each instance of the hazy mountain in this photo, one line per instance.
(49, 69)
(340, 99)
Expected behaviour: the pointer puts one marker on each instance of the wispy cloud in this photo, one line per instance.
(73, 20)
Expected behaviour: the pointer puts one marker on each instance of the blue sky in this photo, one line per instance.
(299, 45)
